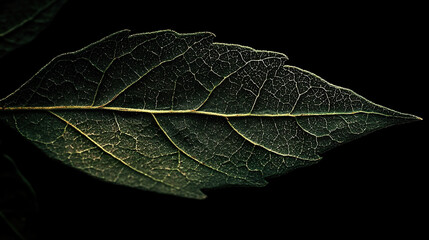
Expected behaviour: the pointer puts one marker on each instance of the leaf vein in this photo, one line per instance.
(227, 77)
(150, 70)
(112, 61)
(266, 148)
(194, 158)
(113, 155)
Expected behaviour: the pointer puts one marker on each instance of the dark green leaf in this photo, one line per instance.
(176, 113)
(22, 20)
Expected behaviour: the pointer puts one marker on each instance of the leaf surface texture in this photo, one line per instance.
(176, 113)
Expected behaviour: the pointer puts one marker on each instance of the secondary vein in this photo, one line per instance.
(150, 70)
(113, 155)
(266, 148)
(194, 158)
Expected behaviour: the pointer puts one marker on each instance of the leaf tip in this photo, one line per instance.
(411, 117)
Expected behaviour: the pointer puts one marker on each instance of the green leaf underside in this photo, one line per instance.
(176, 113)
(22, 20)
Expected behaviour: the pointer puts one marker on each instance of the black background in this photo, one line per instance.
(373, 185)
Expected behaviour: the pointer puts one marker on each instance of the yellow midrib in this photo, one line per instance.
(193, 111)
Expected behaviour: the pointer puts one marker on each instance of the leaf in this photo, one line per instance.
(176, 113)
(22, 20)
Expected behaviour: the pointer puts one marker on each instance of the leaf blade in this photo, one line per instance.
(186, 116)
